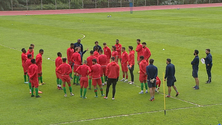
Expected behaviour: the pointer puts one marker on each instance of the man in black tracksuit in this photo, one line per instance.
(170, 76)
(209, 64)
(195, 66)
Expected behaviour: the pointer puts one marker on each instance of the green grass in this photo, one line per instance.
(179, 32)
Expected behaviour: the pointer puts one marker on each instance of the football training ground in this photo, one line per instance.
(173, 33)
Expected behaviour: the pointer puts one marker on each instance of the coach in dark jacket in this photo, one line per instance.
(151, 72)
(209, 64)
(97, 45)
(170, 76)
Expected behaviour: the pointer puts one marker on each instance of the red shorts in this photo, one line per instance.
(65, 78)
(75, 68)
(124, 67)
(34, 83)
(119, 56)
(158, 83)
(103, 71)
(84, 82)
(143, 78)
(96, 81)
(40, 69)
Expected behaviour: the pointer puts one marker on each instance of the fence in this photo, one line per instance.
(79, 4)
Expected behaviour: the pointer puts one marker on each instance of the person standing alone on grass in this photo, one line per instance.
(195, 66)
(131, 62)
(58, 62)
(70, 51)
(112, 72)
(152, 73)
(24, 58)
(97, 45)
(39, 64)
(84, 71)
(33, 75)
(209, 64)
(107, 52)
(96, 77)
(64, 70)
(124, 60)
(118, 49)
(143, 77)
(170, 76)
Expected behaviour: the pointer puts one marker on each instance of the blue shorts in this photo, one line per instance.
(170, 82)
(150, 85)
(195, 73)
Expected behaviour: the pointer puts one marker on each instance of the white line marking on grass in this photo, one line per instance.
(126, 115)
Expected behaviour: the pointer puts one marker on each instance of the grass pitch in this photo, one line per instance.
(179, 32)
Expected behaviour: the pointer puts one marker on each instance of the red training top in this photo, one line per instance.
(58, 61)
(24, 58)
(102, 60)
(146, 53)
(33, 72)
(32, 53)
(27, 64)
(76, 58)
(143, 64)
(139, 51)
(112, 70)
(39, 60)
(107, 52)
(96, 54)
(96, 71)
(89, 60)
(124, 58)
(118, 49)
(64, 69)
(69, 52)
(83, 70)
(131, 59)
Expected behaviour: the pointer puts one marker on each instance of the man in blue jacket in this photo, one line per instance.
(151, 72)
(97, 45)
(78, 44)
(195, 66)
(170, 76)
(209, 64)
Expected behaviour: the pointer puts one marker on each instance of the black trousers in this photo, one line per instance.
(110, 82)
(131, 73)
(209, 70)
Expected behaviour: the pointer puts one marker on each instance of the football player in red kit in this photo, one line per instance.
(64, 70)
(118, 49)
(102, 60)
(58, 62)
(143, 77)
(107, 52)
(115, 53)
(24, 58)
(76, 59)
(84, 71)
(146, 52)
(124, 61)
(30, 51)
(95, 53)
(96, 76)
(33, 75)
(89, 63)
(158, 83)
(39, 64)
(27, 64)
(70, 51)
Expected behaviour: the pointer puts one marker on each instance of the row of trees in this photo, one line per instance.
(77, 4)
